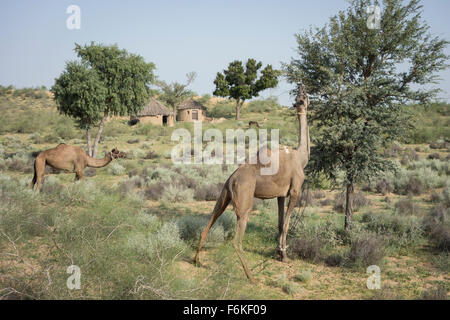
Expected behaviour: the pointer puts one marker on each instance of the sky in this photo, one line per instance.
(178, 36)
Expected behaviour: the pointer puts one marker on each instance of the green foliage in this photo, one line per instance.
(263, 105)
(107, 81)
(357, 80)
(174, 93)
(241, 83)
(116, 169)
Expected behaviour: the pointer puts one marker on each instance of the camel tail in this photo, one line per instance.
(33, 182)
(39, 169)
(221, 205)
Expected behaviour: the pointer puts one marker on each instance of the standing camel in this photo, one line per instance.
(247, 183)
(68, 158)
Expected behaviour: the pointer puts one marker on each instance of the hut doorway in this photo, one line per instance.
(165, 120)
(194, 115)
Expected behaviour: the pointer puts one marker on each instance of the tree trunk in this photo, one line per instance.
(349, 206)
(89, 143)
(238, 110)
(174, 114)
(99, 133)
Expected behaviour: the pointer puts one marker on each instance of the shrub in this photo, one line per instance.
(132, 141)
(306, 248)
(399, 231)
(303, 276)
(406, 207)
(359, 200)
(433, 156)
(393, 150)
(90, 172)
(208, 192)
(366, 249)
(151, 155)
(384, 186)
(335, 259)
(154, 191)
(65, 129)
(17, 164)
(437, 293)
(191, 228)
(116, 169)
(176, 193)
(291, 288)
(408, 156)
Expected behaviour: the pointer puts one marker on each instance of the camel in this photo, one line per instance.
(253, 123)
(247, 183)
(68, 158)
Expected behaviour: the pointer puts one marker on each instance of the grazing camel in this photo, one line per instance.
(253, 123)
(69, 158)
(247, 183)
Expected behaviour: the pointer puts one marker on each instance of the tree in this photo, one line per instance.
(358, 79)
(108, 81)
(175, 93)
(242, 84)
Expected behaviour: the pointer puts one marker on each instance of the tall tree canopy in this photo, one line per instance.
(107, 81)
(359, 78)
(241, 83)
(174, 93)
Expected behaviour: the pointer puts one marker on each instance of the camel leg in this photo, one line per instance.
(281, 201)
(293, 198)
(221, 205)
(237, 244)
(78, 174)
(39, 166)
(243, 204)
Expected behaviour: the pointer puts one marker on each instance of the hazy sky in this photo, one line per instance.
(178, 36)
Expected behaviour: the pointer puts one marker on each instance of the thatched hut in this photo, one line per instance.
(191, 110)
(155, 113)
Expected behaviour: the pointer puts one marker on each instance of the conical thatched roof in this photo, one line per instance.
(154, 108)
(191, 104)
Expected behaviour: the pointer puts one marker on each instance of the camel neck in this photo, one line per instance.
(303, 139)
(98, 163)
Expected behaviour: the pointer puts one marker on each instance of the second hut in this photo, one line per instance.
(190, 111)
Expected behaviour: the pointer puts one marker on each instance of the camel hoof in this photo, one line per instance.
(197, 262)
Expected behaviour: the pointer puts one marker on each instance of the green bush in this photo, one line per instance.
(191, 228)
(366, 249)
(398, 231)
(116, 169)
(175, 193)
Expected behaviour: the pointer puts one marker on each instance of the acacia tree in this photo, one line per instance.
(174, 93)
(359, 78)
(241, 83)
(108, 81)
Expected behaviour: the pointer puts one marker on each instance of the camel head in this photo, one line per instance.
(116, 154)
(302, 100)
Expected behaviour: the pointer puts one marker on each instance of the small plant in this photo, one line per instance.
(366, 249)
(359, 200)
(406, 207)
(291, 288)
(435, 293)
(116, 169)
(303, 276)
(175, 193)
